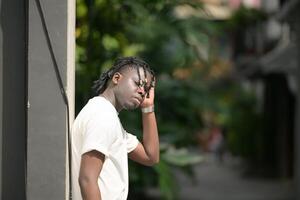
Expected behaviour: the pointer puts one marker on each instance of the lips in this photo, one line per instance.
(138, 100)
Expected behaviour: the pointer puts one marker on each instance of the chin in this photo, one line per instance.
(131, 106)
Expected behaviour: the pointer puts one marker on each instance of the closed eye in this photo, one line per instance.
(138, 84)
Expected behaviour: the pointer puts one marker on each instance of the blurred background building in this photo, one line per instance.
(266, 59)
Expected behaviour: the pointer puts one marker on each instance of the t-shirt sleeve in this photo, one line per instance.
(131, 141)
(99, 135)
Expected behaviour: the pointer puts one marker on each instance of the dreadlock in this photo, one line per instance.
(101, 84)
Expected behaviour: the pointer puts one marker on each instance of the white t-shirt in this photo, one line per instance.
(97, 127)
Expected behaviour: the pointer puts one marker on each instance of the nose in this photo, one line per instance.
(141, 91)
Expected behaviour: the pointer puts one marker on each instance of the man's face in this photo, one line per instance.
(130, 91)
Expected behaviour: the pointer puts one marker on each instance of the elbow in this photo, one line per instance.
(153, 162)
(156, 161)
(85, 181)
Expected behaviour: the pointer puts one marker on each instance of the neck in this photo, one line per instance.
(109, 95)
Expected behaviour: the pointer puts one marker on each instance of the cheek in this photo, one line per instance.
(128, 89)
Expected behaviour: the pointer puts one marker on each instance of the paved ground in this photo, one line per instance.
(215, 181)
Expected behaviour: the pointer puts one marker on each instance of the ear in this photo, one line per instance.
(116, 78)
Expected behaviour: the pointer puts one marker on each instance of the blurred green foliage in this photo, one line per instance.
(184, 54)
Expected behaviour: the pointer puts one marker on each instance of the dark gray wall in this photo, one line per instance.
(13, 99)
(1, 97)
(47, 112)
(296, 26)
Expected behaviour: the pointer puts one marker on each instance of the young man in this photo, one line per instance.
(100, 145)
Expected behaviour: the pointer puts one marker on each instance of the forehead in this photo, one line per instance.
(133, 72)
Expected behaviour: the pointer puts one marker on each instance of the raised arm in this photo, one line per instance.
(147, 153)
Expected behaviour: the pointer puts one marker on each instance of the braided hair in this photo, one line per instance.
(101, 84)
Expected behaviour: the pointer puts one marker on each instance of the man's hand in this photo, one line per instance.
(148, 101)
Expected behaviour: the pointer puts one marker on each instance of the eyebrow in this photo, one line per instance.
(136, 77)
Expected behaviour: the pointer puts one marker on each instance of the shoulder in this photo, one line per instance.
(97, 111)
(100, 106)
(101, 111)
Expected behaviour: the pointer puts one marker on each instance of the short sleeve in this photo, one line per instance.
(98, 135)
(131, 141)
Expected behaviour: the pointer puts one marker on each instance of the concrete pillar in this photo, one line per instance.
(33, 145)
(70, 75)
(47, 122)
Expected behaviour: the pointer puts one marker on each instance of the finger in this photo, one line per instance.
(153, 83)
(150, 93)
